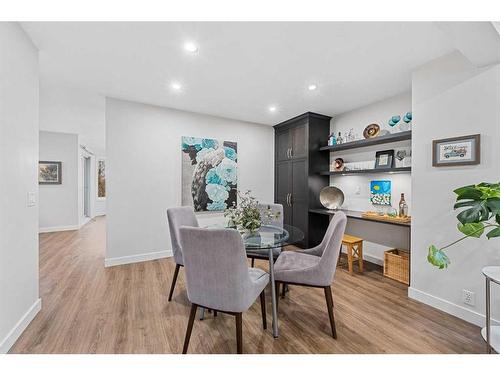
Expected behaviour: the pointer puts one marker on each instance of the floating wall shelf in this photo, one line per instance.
(395, 137)
(367, 171)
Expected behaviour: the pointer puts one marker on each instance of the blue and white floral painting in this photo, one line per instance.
(380, 192)
(209, 173)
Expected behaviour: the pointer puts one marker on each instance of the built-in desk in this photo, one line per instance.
(355, 215)
(395, 235)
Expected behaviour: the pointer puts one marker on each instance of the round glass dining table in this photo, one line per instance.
(264, 241)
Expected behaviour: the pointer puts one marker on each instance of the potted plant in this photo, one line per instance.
(246, 216)
(481, 215)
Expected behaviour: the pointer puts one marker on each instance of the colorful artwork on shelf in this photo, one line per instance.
(209, 173)
(380, 192)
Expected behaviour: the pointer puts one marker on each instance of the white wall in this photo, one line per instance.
(356, 188)
(452, 98)
(19, 298)
(68, 110)
(59, 203)
(144, 171)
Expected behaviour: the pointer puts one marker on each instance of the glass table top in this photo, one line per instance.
(270, 236)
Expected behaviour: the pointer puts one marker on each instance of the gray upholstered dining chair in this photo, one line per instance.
(314, 267)
(218, 276)
(278, 221)
(177, 217)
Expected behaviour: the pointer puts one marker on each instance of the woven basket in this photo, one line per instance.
(396, 265)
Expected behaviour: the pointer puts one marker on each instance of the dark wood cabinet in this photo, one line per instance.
(297, 167)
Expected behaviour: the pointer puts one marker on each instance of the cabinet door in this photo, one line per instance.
(299, 141)
(300, 206)
(283, 145)
(284, 189)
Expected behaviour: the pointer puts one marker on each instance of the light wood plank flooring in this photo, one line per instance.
(124, 309)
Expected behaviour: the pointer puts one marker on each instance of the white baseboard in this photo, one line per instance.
(20, 326)
(58, 229)
(110, 262)
(370, 258)
(449, 307)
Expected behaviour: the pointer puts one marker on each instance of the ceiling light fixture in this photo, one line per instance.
(190, 47)
(176, 86)
(272, 109)
(312, 87)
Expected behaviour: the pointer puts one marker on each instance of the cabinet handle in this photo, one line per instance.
(288, 153)
(287, 201)
(290, 199)
(291, 153)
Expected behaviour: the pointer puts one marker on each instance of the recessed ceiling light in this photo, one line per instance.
(312, 87)
(176, 86)
(190, 47)
(272, 109)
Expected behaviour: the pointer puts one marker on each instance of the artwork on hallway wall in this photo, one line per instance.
(380, 192)
(456, 151)
(101, 179)
(49, 172)
(209, 173)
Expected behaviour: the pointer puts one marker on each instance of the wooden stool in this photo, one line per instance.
(354, 251)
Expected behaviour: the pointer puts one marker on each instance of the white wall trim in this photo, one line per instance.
(110, 262)
(368, 257)
(58, 229)
(373, 259)
(20, 326)
(449, 307)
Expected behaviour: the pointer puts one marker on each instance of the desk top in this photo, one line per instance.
(356, 215)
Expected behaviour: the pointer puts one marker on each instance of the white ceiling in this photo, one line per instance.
(241, 68)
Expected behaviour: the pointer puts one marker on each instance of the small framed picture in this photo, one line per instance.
(49, 173)
(384, 159)
(456, 151)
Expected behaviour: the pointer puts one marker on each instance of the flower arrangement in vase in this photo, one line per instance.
(246, 216)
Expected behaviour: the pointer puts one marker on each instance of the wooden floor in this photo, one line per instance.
(89, 309)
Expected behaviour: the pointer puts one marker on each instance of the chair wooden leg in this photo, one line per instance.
(329, 305)
(263, 308)
(349, 258)
(283, 290)
(253, 262)
(239, 333)
(174, 279)
(360, 257)
(192, 316)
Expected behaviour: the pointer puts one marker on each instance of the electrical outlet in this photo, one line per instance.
(468, 297)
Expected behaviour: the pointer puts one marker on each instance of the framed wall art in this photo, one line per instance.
(101, 179)
(456, 151)
(384, 159)
(209, 173)
(49, 172)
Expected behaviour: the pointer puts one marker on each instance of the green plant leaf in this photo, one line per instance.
(475, 214)
(464, 204)
(493, 233)
(471, 229)
(493, 205)
(498, 218)
(437, 257)
(468, 192)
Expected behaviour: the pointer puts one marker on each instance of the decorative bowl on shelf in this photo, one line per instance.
(331, 197)
(371, 131)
